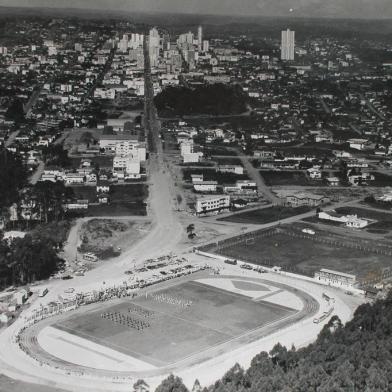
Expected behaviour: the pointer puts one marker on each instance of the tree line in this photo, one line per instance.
(213, 99)
(350, 358)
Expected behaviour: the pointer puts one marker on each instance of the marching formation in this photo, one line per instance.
(140, 311)
(120, 318)
(168, 299)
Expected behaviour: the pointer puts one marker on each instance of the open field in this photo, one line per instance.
(108, 237)
(289, 248)
(273, 177)
(212, 175)
(175, 332)
(265, 215)
(127, 199)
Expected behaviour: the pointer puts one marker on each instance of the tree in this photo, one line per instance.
(15, 111)
(190, 230)
(172, 384)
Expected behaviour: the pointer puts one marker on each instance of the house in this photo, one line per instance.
(314, 173)
(103, 187)
(360, 179)
(205, 186)
(212, 204)
(103, 198)
(21, 296)
(306, 199)
(333, 181)
(356, 223)
(358, 144)
(196, 178)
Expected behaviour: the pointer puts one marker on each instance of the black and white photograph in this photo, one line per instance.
(195, 196)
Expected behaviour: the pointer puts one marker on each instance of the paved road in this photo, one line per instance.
(11, 138)
(32, 100)
(255, 175)
(37, 173)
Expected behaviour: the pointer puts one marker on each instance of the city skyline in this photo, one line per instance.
(362, 9)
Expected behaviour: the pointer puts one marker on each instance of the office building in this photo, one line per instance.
(288, 45)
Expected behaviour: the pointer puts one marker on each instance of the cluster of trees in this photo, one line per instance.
(27, 259)
(55, 155)
(13, 176)
(15, 111)
(354, 357)
(214, 99)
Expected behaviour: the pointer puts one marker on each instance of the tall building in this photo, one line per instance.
(206, 46)
(200, 38)
(154, 45)
(288, 45)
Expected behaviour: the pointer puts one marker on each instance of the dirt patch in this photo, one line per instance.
(109, 237)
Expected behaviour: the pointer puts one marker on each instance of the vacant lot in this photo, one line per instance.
(212, 175)
(305, 255)
(126, 199)
(108, 237)
(273, 178)
(265, 215)
(175, 332)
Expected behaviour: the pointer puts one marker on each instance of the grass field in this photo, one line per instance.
(215, 316)
(265, 215)
(307, 256)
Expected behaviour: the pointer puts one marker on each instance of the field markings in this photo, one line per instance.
(114, 346)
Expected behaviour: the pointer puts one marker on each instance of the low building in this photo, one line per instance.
(333, 181)
(197, 178)
(103, 187)
(306, 199)
(74, 178)
(205, 186)
(236, 169)
(193, 157)
(335, 278)
(77, 205)
(212, 204)
(314, 173)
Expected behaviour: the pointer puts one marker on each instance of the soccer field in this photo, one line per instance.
(303, 255)
(173, 331)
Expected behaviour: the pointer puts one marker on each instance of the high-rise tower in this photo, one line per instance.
(287, 45)
(200, 38)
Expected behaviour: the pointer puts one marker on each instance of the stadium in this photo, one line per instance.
(168, 327)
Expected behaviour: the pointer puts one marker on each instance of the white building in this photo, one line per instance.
(335, 278)
(210, 204)
(205, 186)
(287, 45)
(193, 157)
(236, 169)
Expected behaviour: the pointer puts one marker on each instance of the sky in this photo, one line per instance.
(372, 9)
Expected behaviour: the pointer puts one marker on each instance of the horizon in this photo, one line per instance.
(295, 9)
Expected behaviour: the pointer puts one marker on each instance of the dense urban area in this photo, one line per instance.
(160, 174)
